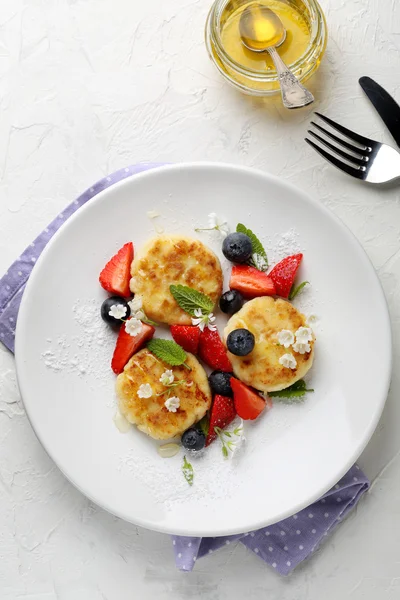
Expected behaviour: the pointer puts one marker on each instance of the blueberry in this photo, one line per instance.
(108, 304)
(193, 439)
(231, 302)
(237, 247)
(240, 342)
(220, 383)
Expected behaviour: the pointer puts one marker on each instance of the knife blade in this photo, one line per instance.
(386, 106)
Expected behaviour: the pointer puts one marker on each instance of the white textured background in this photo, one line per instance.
(87, 87)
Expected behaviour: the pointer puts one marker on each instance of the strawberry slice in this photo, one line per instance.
(248, 403)
(212, 351)
(284, 273)
(186, 336)
(251, 282)
(127, 345)
(116, 274)
(222, 413)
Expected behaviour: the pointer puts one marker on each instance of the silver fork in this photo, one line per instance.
(362, 158)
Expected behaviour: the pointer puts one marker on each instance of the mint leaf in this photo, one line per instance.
(296, 290)
(204, 425)
(168, 351)
(294, 393)
(187, 471)
(190, 299)
(260, 260)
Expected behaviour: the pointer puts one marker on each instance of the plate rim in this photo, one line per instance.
(267, 177)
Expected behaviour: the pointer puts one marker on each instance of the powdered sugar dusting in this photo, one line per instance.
(165, 480)
(281, 245)
(86, 353)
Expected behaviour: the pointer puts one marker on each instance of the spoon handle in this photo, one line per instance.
(294, 95)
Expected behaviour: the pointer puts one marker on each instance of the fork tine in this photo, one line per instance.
(358, 173)
(339, 140)
(352, 159)
(347, 132)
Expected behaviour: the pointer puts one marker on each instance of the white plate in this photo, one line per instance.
(293, 454)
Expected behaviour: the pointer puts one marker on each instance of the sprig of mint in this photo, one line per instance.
(297, 289)
(168, 351)
(189, 299)
(204, 425)
(187, 471)
(227, 439)
(294, 393)
(257, 248)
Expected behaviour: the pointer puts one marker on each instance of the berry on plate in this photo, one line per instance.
(186, 336)
(240, 342)
(248, 404)
(284, 273)
(222, 414)
(237, 247)
(220, 383)
(115, 276)
(231, 302)
(193, 439)
(250, 282)
(212, 351)
(114, 309)
(127, 345)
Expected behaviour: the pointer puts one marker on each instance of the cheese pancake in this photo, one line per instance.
(150, 414)
(168, 260)
(261, 369)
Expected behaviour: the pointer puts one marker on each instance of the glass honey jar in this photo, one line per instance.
(254, 72)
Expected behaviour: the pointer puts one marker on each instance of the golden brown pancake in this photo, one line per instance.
(167, 260)
(261, 369)
(150, 414)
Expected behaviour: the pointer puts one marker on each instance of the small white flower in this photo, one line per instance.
(288, 361)
(140, 315)
(199, 314)
(285, 338)
(259, 262)
(311, 320)
(145, 391)
(210, 322)
(212, 220)
(217, 224)
(167, 377)
(118, 311)
(203, 321)
(172, 404)
(133, 327)
(135, 304)
(302, 348)
(304, 335)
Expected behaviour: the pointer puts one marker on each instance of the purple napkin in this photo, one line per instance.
(12, 284)
(283, 545)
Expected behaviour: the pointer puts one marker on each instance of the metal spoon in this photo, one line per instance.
(262, 30)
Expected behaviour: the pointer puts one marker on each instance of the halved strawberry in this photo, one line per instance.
(222, 413)
(248, 403)
(212, 351)
(127, 345)
(186, 336)
(116, 274)
(283, 274)
(251, 282)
